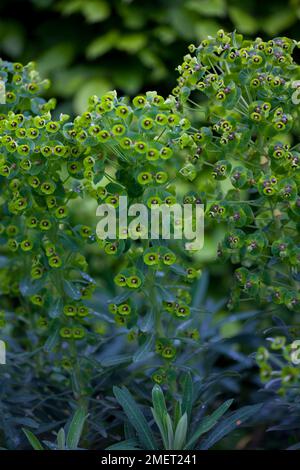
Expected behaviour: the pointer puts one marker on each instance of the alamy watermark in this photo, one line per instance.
(161, 221)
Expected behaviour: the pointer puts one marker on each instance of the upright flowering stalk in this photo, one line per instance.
(134, 150)
(43, 274)
(246, 157)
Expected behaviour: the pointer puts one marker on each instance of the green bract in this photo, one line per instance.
(226, 138)
(247, 154)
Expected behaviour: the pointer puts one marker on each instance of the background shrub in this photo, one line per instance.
(98, 45)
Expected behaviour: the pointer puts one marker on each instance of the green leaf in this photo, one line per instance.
(33, 440)
(144, 349)
(129, 444)
(147, 322)
(75, 428)
(279, 21)
(158, 400)
(61, 439)
(56, 308)
(159, 412)
(116, 360)
(132, 43)
(200, 290)
(95, 10)
(29, 287)
(55, 58)
(209, 422)
(95, 86)
(244, 22)
(53, 336)
(205, 27)
(182, 21)
(188, 395)
(135, 417)
(170, 431)
(294, 447)
(207, 7)
(180, 433)
(71, 290)
(229, 424)
(102, 44)
(120, 298)
(177, 413)
(161, 424)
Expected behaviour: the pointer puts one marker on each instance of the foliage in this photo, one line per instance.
(277, 366)
(247, 158)
(174, 433)
(64, 441)
(178, 433)
(148, 37)
(224, 138)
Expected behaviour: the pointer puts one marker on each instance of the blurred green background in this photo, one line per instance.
(89, 46)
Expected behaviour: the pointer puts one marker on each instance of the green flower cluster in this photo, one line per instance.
(246, 157)
(135, 146)
(40, 249)
(240, 160)
(115, 148)
(280, 362)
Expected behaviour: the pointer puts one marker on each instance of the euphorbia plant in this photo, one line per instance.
(43, 273)
(280, 364)
(115, 148)
(136, 154)
(178, 430)
(242, 164)
(246, 157)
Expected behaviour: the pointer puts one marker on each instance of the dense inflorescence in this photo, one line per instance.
(114, 149)
(246, 157)
(280, 363)
(41, 258)
(234, 150)
(136, 148)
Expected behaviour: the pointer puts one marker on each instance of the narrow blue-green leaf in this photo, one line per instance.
(294, 447)
(229, 424)
(146, 323)
(188, 395)
(161, 424)
(56, 308)
(53, 336)
(158, 400)
(121, 298)
(33, 440)
(116, 360)
(180, 433)
(200, 290)
(71, 290)
(209, 422)
(29, 287)
(159, 412)
(144, 349)
(169, 425)
(135, 417)
(128, 444)
(61, 439)
(75, 429)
